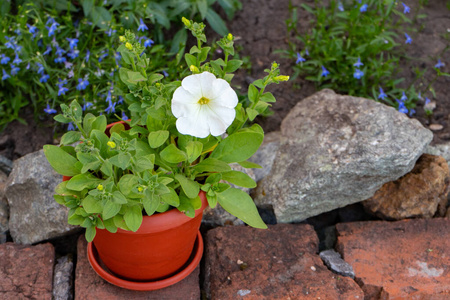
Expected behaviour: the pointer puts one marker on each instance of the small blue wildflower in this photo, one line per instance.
(124, 116)
(5, 59)
(358, 74)
(111, 108)
(427, 100)
(104, 54)
(419, 96)
(61, 82)
(50, 21)
(408, 39)
(17, 60)
(14, 70)
(403, 98)
(40, 68)
(363, 8)
(88, 54)
(82, 84)
(44, 78)
(28, 66)
(148, 43)
(306, 52)
(120, 101)
(300, 59)
(406, 9)
(52, 28)
(340, 6)
(72, 42)
(325, 72)
(108, 98)
(40, 43)
(382, 95)
(86, 105)
(117, 57)
(60, 59)
(401, 107)
(358, 63)
(110, 32)
(62, 90)
(32, 29)
(142, 26)
(17, 31)
(17, 49)
(48, 50)
(49, 110)
(411, 112)
(70, 74)
(68, 65)
(70, 127)
(439, 64)
(165, 73)
(60, 51)
(5, 75)
(73, 54)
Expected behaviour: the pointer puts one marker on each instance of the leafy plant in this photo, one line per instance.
(180, 140)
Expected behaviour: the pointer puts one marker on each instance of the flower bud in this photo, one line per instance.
(281, 78)
(100, 187)
(111, 144)
(122, 39)
(129, 46)
(230, 37)
(186, 22)
(140, 189)
(194, 69)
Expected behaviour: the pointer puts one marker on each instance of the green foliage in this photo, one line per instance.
(355, 48)
(147, 165)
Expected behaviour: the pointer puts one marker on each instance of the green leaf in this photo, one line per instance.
(87, 6)
(239, 146)
(61, 119)
(193, 150)
(171, 198)
(63, 163)
(110, 226)
(91, 205)
(212, 165)
(75, 219)
(90, 233)
(157, 138)
(70, 137)
(83, 181)
(173, 155)
(202, 8)
(249, 165)
(91, 166)
(253, 93)
(241, 205)
(151, 202)
(190, 188)
(252, 114)
(121, 160)
(144, 163)
(233, 65)
(119, 198)
(239, 179)
(191, 60)
(107, 168)
(186, 207)
(110, 210)
(268, 97)
(212, 199)
(216, 22)
(133, 217)
(127, 183)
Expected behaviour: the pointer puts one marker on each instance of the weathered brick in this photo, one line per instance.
(408, 259)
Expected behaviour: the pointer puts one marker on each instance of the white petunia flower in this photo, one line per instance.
(204, 105)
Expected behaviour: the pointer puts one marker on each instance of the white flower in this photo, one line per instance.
(204, 105)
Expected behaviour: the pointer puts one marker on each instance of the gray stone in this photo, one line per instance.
(34, 214)
(440, 150)
(4, 207)
(6, 165)
(266, 154)
(63, 279)
(335, 263)
(336, 150)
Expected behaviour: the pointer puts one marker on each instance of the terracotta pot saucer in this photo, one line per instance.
(187, 269)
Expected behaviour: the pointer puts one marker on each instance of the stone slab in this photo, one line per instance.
(408, 259)
(26, 272)
(88, 285)
(278, 263)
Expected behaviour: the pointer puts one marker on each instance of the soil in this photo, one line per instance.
(260, 29)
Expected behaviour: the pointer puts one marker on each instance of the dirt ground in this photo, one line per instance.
(260, 29)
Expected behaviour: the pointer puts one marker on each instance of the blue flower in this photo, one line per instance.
(124, 116)
(5, 59)
(108, 97)
(165, 73)
(408, 39)
(325, 72)
(72, 42)
(382, 95)
(86, 105)
(62, 90)
(111, 108)
(439, 64)
(60, 59)
(70, 127)
(17, 60)
(363, 8)
(411, 112)
(59, 51)
(403, 98)
(110, 32)
(32, 29)
(50, 20)
(104, 54)
(340, 6)
(427, 100)
(49, 110)
(52, 28)
(148, 43)
(82, 84)
(61, 82)
(68, 65)
(5, 75)
(300, 59)
(40, 68)
(73, 54)
(88, 54)
(142, 26)
(117, 57)
(120, 101)
(44, 78)
(358, 63)
(401, 107)
(14, 70)
(10, 44)
(406, 9)
(306, 52)
(358, 74)
(48, 50)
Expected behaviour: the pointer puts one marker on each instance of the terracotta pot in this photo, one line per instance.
(157, 250)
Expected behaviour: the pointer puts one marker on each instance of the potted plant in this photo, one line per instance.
(131, 183)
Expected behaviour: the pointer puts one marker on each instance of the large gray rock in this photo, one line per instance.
(34, 214)
(266, 154)
(336, 150)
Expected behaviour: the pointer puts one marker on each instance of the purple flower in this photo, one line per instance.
(439, 64)
(358, 74)
(408, 39)
(44, 78)
(148, 43)
(68, 65)
(88, 54)
(70, 127)
(14, 70)
(165, 73)
(427, 100)
(5, 59)
(340, 6)
(325, 72)
(306, 52)
(73, 54)
(363, 8)
(82, 84)
(72, 42)
(117, 57)
(406, 9)
(5, 75)
(382, 95)
(142, 26)
(358, 63)
(300, 59)
(49, 110)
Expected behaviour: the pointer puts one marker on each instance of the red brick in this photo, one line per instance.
(408, 259)
(88, 285)
(26, 272)
(278, 263)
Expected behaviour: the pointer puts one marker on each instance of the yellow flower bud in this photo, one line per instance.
(274, 65)
(282, 78)
(230, 37)
(129, 46)
(100, 187)
(140, 189)
(111, 144)
(186, 22)
(194, 69)
(122, 39)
